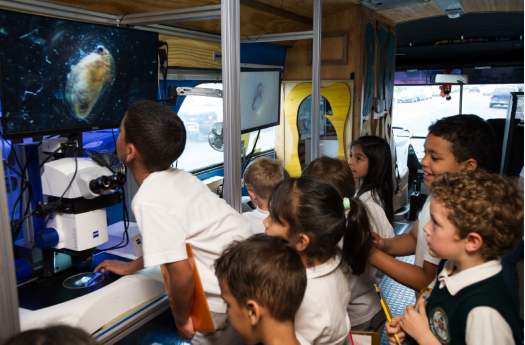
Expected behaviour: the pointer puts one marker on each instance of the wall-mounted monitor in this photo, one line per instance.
(59, 76)
(260, 98)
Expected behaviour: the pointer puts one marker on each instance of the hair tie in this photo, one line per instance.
(346, 203)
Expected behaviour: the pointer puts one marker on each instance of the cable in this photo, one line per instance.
(54, 209)
(125, 218)
(251, 153)
(282, 2)
(114, 141)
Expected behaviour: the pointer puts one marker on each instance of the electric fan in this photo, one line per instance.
(215, 137)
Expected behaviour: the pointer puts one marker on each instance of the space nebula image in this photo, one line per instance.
(59, 74)
(259, 99)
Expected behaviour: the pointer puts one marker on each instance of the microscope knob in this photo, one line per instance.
(49, 238)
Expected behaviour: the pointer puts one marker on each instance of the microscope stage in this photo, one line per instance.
(47, 292)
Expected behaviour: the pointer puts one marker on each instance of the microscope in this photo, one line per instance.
(76, 192)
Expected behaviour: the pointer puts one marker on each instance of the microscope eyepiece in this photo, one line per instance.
(117, 180)
(100, 184)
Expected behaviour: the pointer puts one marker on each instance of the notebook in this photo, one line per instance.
(200, 312)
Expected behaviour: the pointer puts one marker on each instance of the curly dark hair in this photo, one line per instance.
(484, 203)
(469, 135)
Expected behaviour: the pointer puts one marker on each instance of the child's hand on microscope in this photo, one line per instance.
(120, 267)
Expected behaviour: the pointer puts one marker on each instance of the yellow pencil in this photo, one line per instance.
(388, 313)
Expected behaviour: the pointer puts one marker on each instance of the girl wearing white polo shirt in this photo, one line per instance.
(310, 213)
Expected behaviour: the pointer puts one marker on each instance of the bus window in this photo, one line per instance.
(417, 107)
(488, 101)
(199, 113)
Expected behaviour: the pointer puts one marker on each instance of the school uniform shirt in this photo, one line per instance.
(479, 295)
(256, 218)
(173, 207)
(364, 304)
(422, 253)
(322, 318)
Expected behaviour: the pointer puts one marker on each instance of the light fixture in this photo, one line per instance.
(410, 43)
(454, 13)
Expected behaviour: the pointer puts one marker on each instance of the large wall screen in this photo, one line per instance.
(64, 76)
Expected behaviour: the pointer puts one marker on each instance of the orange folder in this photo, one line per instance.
(200, 311)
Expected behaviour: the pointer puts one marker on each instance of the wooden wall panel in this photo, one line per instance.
(296, 67)
(305, 8)
(492, 5)
(412, 12)
(252, 19)
(135, 6)
(186, 52)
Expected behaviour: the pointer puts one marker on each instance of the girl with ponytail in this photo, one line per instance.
(311, 214)
(364, 308)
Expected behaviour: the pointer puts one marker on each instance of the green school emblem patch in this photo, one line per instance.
(439, 325)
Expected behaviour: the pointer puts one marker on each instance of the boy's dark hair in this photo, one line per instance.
(335, 171)
(157, 133)
(484, 203)
(469, 135)
(266, 269)
(313, 206)
(262, 175)
(379, 179)
(54, 335)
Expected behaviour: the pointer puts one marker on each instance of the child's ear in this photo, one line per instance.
(253, 196)
(131, 153)
(474, 242)
(302, 242)
(254, 312)
(470, 164)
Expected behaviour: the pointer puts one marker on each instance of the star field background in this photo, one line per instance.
(36, 55)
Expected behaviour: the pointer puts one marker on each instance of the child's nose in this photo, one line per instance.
(428, 227)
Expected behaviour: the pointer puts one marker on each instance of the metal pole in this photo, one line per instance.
(9, 321)
(316, 77)
(231, 80)
(460, 99)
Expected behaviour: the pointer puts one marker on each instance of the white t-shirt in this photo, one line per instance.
(322, 318)
(364, 303)
(422, 253)
(173, 207)
(485, 325)
(256, 218)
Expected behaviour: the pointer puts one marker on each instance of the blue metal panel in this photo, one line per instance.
(263, 54)
(390, 70)
(382, 38)
(370, 53)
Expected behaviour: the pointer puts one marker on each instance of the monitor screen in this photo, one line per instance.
(260, 98)
(62, 76)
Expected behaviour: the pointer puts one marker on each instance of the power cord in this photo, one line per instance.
(56, 205)
(251, 153)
